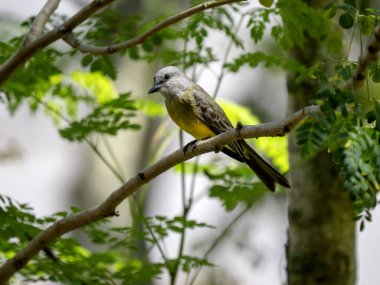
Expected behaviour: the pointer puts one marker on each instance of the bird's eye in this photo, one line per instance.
(167, 76)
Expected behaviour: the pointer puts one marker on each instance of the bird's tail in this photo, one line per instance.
(267, 174)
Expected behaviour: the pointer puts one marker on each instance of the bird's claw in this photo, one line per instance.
(192, 145)
(218, 148)
(239, 126)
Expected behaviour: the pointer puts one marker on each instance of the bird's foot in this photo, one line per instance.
(218, 148)
(239, 126)
(192, 145)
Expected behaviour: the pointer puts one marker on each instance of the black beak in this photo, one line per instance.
(155, 88)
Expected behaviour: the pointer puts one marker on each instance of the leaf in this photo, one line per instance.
(232, 195)
(309, 73)
(266, 3)
(373, 116)
(299, 20)
(330, 10)
(346, 21)
(108, 118)
(257, 23)
(374, 72)
(105, 65)
(367, 24)
(189, 263)
(86, 60)
(312, 136)
(253, 59)
(357, 156)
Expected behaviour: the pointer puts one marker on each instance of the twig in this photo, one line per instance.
(86, 48)
(108, 207)
(27, 51)
(40, 21)
(365, 60)
(64, 31)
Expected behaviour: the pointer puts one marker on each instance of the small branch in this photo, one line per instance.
(86, 48)
(365, 60)
(64, 31)
(27, 51)
(108, 207)
(41, 20)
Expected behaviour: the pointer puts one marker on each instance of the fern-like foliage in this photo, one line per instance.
(359, 160)
(353, 142)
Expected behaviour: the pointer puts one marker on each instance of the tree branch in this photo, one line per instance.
(40, 21)
(64, 31)
(27, 51)
(108, 207)
(365, 60)
(86, 48)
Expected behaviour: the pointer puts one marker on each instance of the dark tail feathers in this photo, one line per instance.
(267, 174)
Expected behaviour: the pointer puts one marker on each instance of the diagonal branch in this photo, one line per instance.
(86, 48)
(40, 21)
(64, 31)
(108, 207)
(27, 51)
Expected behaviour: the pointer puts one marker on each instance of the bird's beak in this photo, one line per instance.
(155, 88)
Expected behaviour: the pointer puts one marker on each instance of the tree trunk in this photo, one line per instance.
(321, 235)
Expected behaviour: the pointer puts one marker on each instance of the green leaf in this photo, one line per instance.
(232, 195)
(253, 59)
(266, 3)
(108, 118)
(312, 135)
(374, 72)
(373, 116)
(86, 60)
(257, 23)
(105, 65)
(367, 24)
(346, 20)
(300, 19)
(330, 10)
(309, 73)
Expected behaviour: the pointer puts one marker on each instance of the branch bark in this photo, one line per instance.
(27, 51)
(64, 31)
(40, 21)
(108, 207)
(85, 48)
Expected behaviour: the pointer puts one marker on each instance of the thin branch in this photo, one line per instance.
(65, 31)
(27, 51)
(40, 21)
(86, 48)
(365, 60)
(108, 207)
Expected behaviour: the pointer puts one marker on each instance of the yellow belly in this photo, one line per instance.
(185, 118)
(196, 128)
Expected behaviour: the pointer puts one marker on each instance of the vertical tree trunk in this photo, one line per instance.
(321, 235)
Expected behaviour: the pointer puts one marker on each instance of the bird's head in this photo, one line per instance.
(167, 80)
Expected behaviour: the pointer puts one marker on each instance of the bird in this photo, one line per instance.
(198, 114)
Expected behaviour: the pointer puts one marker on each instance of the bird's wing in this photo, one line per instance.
(209, 112)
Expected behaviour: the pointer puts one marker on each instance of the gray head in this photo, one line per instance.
(169, 81)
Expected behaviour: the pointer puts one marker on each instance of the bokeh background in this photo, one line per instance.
(39, 168)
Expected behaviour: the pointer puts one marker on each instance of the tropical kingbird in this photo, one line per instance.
(195, 112)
